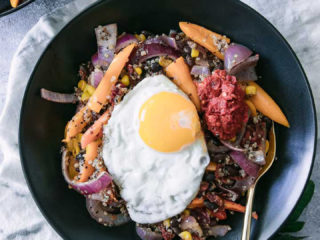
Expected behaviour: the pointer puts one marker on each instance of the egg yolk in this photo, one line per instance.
(168, 122)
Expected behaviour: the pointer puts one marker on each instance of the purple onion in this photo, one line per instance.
(234, 55)
(216, 149)
(151, 50)
(58, 97)
(243, 185)
(244, 66)
(190, 224)
(200, 70)
(148, 234)
(169, 41)
(97, 62)
(99, 213)
(125, 40)
(249, 167)
(218, 230)
(85, 188)
(232, 146)
(248, 74)
(106, 41)
(95, 77)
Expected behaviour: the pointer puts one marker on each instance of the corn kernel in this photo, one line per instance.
(267, 146)
(138, 70)
(186, 212)
(233, 139)
(166, 223)
(163, 62)
(89, 89)
(251, 90)
(82, 84)
(125, 80)
(85, 96)
(194, 53)
(142, 37)
(185, 235)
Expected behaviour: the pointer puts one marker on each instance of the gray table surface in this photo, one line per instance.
(12, 30)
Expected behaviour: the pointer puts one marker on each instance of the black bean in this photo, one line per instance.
(210, 205)
(155, 67)
(209, 177)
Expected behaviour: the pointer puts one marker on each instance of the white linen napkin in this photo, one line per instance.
(297, 20)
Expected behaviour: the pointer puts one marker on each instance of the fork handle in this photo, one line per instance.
(248, 214)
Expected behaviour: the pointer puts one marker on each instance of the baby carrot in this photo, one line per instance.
(179, 71)
(91, 154)
(102, 94)
(76, 124)
(267, 106)
(95, 131)
(204, 37)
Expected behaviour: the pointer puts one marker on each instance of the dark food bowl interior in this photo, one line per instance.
(42, 123)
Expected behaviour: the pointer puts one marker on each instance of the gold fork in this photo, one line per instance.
(246, 230)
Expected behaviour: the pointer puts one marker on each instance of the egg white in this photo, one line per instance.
(155, 185)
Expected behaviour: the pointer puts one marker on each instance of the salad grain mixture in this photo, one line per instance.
(235, 114)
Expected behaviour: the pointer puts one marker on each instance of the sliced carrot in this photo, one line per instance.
(91, 154)
(204, 37)
(102, 94)
(196, 203)
(14, 3)
(252, 108)
(232, 206)
(221, 215)
(95, 131)
(180, 73)
(211, 167)
(76, 124)
(267, 106)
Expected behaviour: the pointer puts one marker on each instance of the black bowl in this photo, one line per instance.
(42, 123)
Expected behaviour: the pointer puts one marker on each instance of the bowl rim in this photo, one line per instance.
(96, 4)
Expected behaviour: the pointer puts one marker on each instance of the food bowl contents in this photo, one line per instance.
(169, 131)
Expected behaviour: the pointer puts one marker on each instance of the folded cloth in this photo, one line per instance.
(20, 218)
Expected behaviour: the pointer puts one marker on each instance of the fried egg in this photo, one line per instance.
(155, 150)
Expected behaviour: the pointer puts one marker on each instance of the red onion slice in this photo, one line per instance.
(85, 188)
(98, 212)
(147, 234)
(169, 41)
(219, 230)
(106, 41)
(200, 71)
(58, 97)
(248, 74)
(212, 148)
(244, 66)
(232, 146)
(235, 54)
(189, 223)
(97, 62)
(151, 50)
(243, 185)
(249, 167)
(95, 77)
(125, 40)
